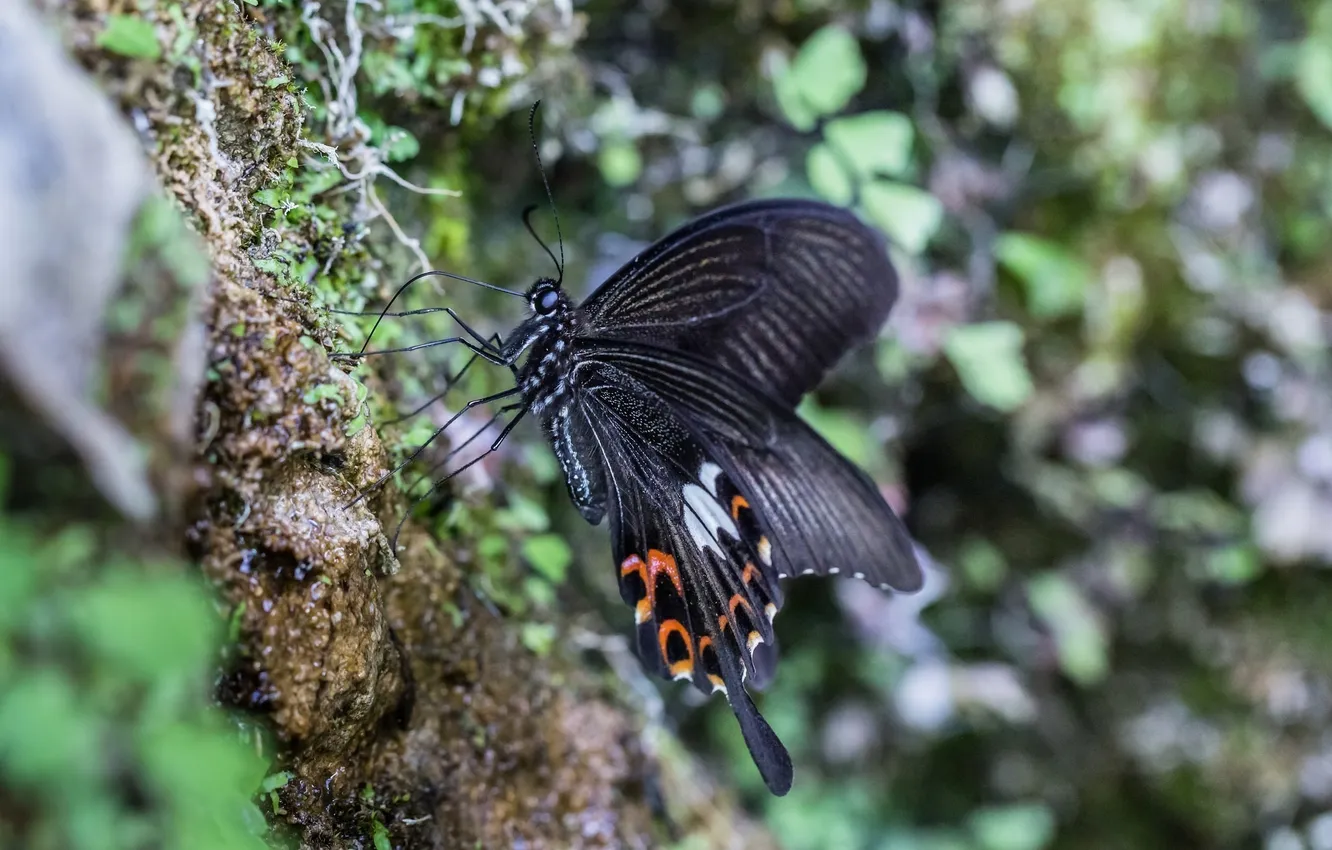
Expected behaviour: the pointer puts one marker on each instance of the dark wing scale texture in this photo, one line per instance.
(702, 604)
(820, 513)
(775, 291)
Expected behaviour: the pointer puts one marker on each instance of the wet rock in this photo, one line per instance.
(317, 653)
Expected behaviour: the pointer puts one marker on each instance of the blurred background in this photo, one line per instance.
(1103, 402)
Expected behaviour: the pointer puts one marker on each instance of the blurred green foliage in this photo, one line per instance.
(107, 739)
(1103, 398)
(130, 36)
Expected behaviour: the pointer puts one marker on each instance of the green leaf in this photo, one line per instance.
(988, 360)
(620, 163)
(1079, 640)
(828, 177)
(983, 564)
(130, 36)
(1021, 827)
(380, 835)
(539, 592)
(1055, 279)
(398, 145)
(522, 514)
(549, 555)
(18, 575)
(173, 753)
(538, 637)
(873, 142)
(1197, 510)
(828, 70)
(909, 216)
(1233, 565)
(273, 198)
(1313, 74)
(148, 627)
(322, 392)
(46, 737)
(798, 114)
(274, 781)
(708, 102)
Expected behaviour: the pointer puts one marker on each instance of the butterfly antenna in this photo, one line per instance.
(527, 222)
(401, 289)
(536, 151)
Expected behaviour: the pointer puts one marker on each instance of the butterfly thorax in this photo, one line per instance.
(545, 342)
(545, 378)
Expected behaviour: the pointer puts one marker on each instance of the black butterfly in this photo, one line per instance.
(669, 399)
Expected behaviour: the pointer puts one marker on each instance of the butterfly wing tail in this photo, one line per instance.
(770, 756)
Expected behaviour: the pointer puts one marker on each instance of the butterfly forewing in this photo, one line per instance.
(774, 291)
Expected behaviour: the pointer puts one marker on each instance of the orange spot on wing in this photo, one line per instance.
(658, 562)
(737, 599)
(662, 562)
(722, 621)
(738, 503)
(633, 564)
(751, 572)
(685, 666)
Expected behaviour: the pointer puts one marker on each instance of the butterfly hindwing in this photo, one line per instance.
(702, 604)
(775, 291)
(819, 514)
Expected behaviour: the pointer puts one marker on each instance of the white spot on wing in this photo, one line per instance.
(683, 675)
(708, 473)
(705, 519)
(765, 551)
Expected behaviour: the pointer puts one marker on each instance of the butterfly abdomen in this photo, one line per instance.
(547, 381)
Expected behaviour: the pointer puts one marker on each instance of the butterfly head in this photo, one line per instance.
(546, 298)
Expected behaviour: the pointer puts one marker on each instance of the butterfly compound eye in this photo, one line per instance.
(546, 301)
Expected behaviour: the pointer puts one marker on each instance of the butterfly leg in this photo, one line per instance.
(494, 349)
(483, 352)
(439, 483)
(440, 430)
(508, 408)
(449, 382)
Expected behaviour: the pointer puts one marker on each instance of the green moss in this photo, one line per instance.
(130, 36)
